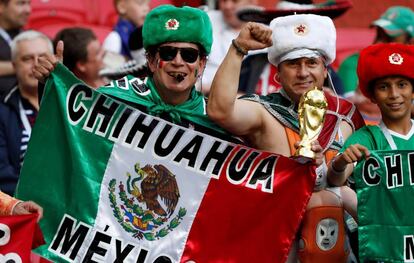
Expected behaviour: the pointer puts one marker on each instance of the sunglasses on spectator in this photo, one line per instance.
(188, 54)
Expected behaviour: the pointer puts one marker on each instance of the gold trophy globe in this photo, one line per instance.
(311, 112)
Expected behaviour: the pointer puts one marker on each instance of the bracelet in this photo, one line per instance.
(14, 206)
(238, 48)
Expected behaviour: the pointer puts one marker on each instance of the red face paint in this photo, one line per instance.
(161, 63)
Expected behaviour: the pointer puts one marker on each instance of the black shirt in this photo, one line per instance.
(7, 82)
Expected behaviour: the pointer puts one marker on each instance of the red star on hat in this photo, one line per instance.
(172, 24)
(396, 59)
(301, 29)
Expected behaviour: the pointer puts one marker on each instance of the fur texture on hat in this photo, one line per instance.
(294, 33)
(168, 23)
(383, 60)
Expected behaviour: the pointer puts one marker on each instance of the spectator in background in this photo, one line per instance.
(395, 25)
(136, 66)
(226, 27)
(83, 54)
(19, 107)
(14, 14)
(131, 16)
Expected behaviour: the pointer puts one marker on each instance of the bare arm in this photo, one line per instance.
(341, 167)
(6, 68)
(350, 202)
(237, 116)
(7, 203)
(12, 206)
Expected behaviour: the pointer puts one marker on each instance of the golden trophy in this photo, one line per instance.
(311, 111)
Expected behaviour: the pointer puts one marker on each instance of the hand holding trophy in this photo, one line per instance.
(311, 111)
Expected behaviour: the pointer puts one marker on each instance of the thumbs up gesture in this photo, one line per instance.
(46, 64)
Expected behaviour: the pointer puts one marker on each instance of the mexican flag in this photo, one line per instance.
(18, 235)
(118, 185)
(385, 191)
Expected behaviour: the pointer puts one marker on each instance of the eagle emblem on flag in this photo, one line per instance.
(148, 202)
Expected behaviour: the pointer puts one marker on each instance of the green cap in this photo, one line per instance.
(168, 23)
(396, 21)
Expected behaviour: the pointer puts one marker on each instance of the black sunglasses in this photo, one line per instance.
(188, 54)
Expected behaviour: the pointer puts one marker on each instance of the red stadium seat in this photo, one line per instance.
(47, 12)
(155, 3)
(51, 14)
(192, 3)
(106, 14)
(351, 40)
(101, 32)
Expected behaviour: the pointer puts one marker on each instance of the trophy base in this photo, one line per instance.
(304, 152)
(302, 159)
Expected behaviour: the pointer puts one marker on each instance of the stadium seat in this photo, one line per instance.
(351, 40)
(106, 13)
(192, 3)
(155, 3)
(47, 12)
(51, 30)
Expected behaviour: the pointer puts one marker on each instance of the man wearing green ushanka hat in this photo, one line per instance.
(177, 41)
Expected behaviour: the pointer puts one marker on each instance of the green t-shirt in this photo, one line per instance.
(348, 73)
(385, 195)
(372, 137)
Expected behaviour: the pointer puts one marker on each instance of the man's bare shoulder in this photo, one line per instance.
(271, 135)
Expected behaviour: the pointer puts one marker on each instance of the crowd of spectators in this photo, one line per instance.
(86, 56)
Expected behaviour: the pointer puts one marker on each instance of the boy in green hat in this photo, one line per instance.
(177, 42)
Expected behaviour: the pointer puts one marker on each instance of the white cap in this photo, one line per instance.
(299, 36)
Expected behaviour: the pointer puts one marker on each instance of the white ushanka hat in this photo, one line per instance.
(304, 35)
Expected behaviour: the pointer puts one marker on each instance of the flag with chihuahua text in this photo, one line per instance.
(385, 190)
(119, 185)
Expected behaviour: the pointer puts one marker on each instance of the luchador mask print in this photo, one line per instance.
(327, 234)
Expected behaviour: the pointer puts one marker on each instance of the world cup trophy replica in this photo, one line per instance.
(311, 111)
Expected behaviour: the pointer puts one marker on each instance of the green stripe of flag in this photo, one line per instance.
(47, 183)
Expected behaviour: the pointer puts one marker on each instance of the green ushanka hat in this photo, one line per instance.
(168, 23)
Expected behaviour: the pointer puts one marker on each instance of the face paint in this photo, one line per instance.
(161, 63)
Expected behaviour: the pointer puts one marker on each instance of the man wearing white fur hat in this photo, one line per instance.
(301, 46)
